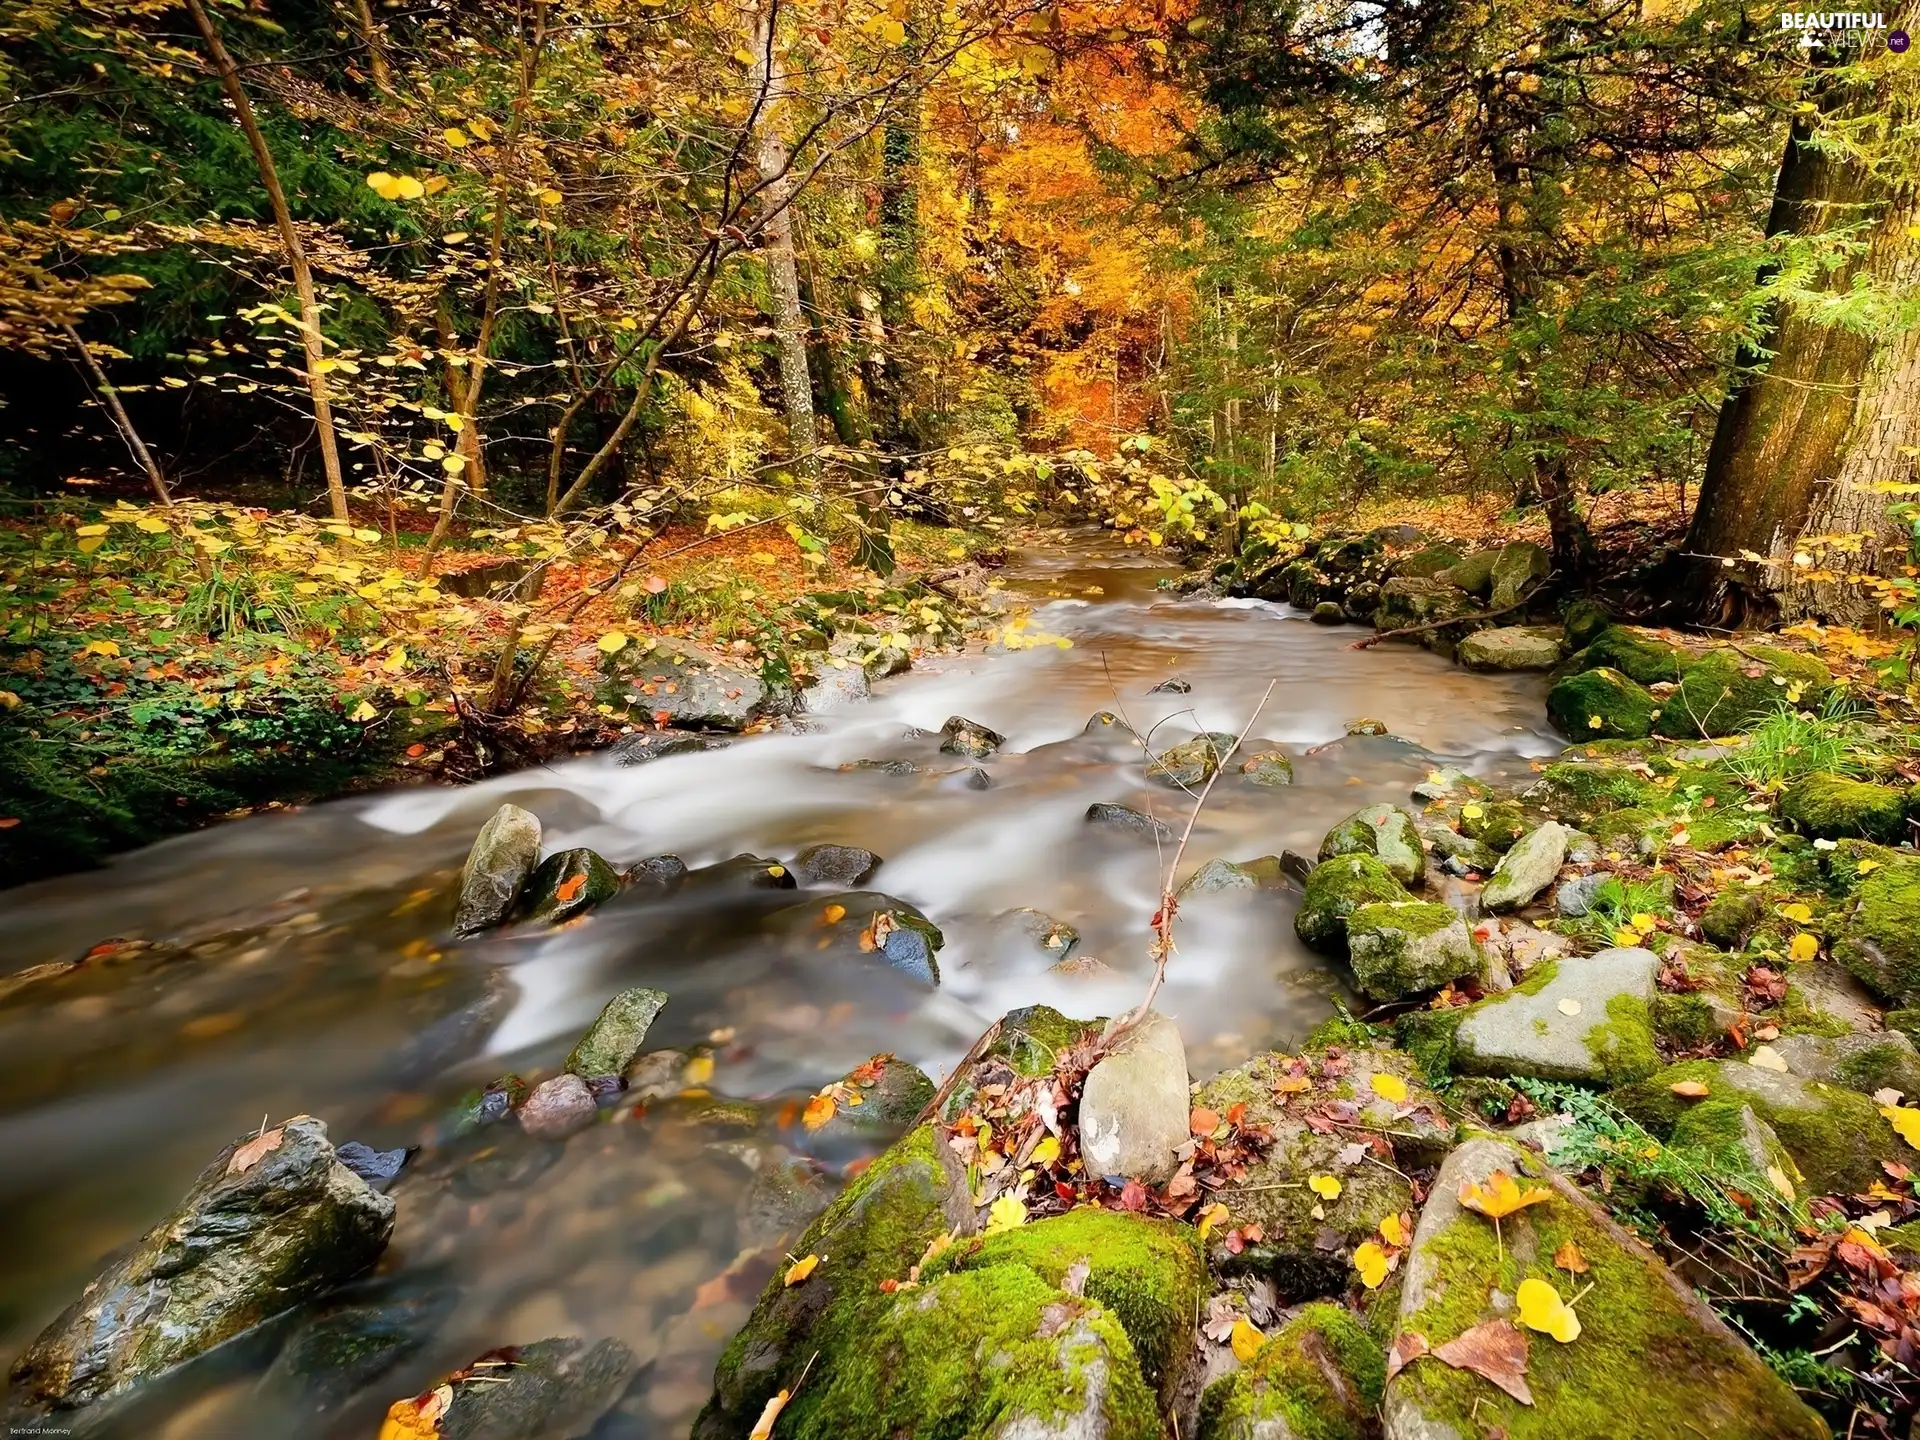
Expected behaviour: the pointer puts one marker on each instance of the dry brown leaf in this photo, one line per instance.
(254, 1151)
(1494, 1351)
(1408, 1346)
(1689, 1089)
(1568, 1257)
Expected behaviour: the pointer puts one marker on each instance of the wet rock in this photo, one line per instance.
(1881, 1060)
(1329, 612)
(676, 685)
(377, 1167)
(659, 744)
(742, 872)
(1148, 1274)
(1836, 1136)
(1494, 823)
(1459, 854)
(558, 1108)
(1879, 933)
(498, 866)
(1296, 866)
(1124, 819)
(275, 1220)
(844, 865)
(657, 1074)
(1585, 619)
(1448, 782)
(972, 778)
(863, 923)
(1321, 1376)
(1362, 600)
(480, 1108)
(1383, 831)
(1527, 868)
(1105, 723)
(785, 1194)
(568, 885)
(1643, 658)
(1517, 570)
(1511, 647)
(1083, 967)
(1366, 725)
(1133, 1107)
(1268, 768)
(1053, 938)
(1403, 947)
(1032, 1038)
(1235, 877)
(616, 1036)
(1175, 686)
(549, 1390)
(1649, 1351)
(656, 872)
(876, 661)
(336, 1354)
(1473, 574)
(834, 688)
(1728, 691)
(1409, 601)
(1601, 704)
(1832, 807)
(891, 1094)
(1334, 890)
(883, 767)
(1191, 763)
(1574, 1019)
(961, 736)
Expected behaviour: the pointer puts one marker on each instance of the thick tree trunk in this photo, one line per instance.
(768, 80)
(1782, 461)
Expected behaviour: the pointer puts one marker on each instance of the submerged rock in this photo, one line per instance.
(1268, 768)
(570, 884)
(961, 736)
(1320, 1377)
(275, 1220)
(334, 1355)
(557, 1108)
(1402, 947)
(857, 923)
(653, 745)
(1385, 831)
(503, 856)
(1126, 820)
(616, 1036)
(1527, 868)
(1052, 938)
(549, 1390)
(1235, 877)
(656, 872)
(891, 1094)
(842, 865)
(1133, 1107)
(676, 685)
(1573, 1019)
(1334, 890)
(1649, 1354)
(835, 687)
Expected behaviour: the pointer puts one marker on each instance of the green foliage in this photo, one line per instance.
(1791, 742)
(1615, 904)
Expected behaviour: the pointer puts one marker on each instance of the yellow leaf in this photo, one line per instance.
(1247, 1338)
(1214, 1214)
(1767, 1058)
(612, 642)
(1645, 923)
(435, 184)
(306, 587)
(1803, 947)
(1009, 1212)
(1865, 865)
(1777, 1178)
(763, 1427)
(820, 1109)
(364, 712)
(801, 1269)
(698, 1071)
(407, 187)
(1325, 1186)
(1626, 937)
(1046, 1153)
(1389, 1087)
(91, 530)
(834, 914)
(1372, 1263)
(1392, 1231)
(551, 197)
(1594, 722)
(151, 525)
(90, 543)
(396, 660)
(1568, 1257)
(101, 647)
(454, 136)
(1500, 1197)
(9, 700)
(893, 32)
(1540, 1308)
(1471, 812)
(384, 185)
(1905, 1120)
(454, 464)
(1799, 914)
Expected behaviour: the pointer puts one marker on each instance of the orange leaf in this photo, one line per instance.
(1689, 1089)
(254, 1151)
(820, 1109)
(1568, 1257)
(763, 1427)
(801, 1269)
(1203, 1121)
(1500, 1196)
(570, 889)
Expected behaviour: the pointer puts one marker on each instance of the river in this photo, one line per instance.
(300, 963)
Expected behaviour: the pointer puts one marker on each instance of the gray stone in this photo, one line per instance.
(1329, 612)
(548, 1390)
(1126, 820)
(659, 744)
(274, 1221)
(616, 1036)
(1882, 1060)
(568, 885)
(1587, 1020)
(497, 869)
(1191, 763)
(961, 736)
(558, 1108)
(862, 926)
(1384, 831)
(1448, 782)
(1511, 647)
(1224, 877)
(677, 685)
(1334, 890)
(1175, 686)
(891, 1096)
(1268, 768)
(1133, 1107)
(1053, 938)
(1575, 897)
(1459, 854)
(834, 688)
(1403, 947)
(1517, 569)
(658, 872)
(841, 865)
(974, 777)
(1527, 868)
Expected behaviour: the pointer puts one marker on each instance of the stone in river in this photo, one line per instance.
(616, 1036)
(1384, 831)
(568, 885)
(961, 736)
(558, 1108)
(1527, 868)
(1126, 819)
(498, 866)
(677, 685)
(1133, 1107)
(549, 1390)
(842, 865)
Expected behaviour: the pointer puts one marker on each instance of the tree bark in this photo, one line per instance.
(296, 256)
(767, 79)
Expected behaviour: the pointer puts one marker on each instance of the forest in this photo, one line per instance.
(506, 506)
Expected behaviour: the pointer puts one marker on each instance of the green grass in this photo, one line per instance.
(1790, 743)
(1613, 907)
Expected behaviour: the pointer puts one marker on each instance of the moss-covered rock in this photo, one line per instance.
(1733, 915)
(1582, 790)
(1837, 1137)
(1879, 940)
(1585, 619)
(1729, 690)
(1867, 1062)
(569, 884)
(1633, 653)
(679, 685)
(1602, 704)
(1427, 561)
(1320, 1378)
(1032, 1038)
(1235, 877)
(1148, 1274)
(862, 926)
(1832, 807)
(1334, 890)
(1191, 763)
(1474, 574)
(615, 1037)
(1269, 769)
(891, 1094)
(1494, 823)
(1402, 947)
(1409, 601)
(1517, 570)
(1572, 1019)
(1738, 1144)
(1528, 867)
(1384, 831)
(560, 1386)
(1651, 1358)
(1511, 647)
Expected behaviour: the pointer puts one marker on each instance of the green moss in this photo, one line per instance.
(1586, 619)
(1877, 1067)
(1719, 697)
(1427, 1035)
(1148, 1273)
(1623, 1047)
(1345, 1031)
(1907, 1022)
(1399, 947)
(1580, 790)
(1639, 657)
(972, 1353)
(1832, 807)
(1032, 1038)
(1603, 704)
(1798, 1015)
(1840, 867)
(1320, 1378)
(1733, 915)
(1496, 825)
(1383, 831)
(1334, 890)
(1686, 1021)
(1880, 941)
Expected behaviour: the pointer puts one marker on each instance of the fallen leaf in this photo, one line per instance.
(1888, 1096)
(834, 914)
(1767, 1058)
(1247, 1338)
(1046, 1153)
(1373, 1263)
(1690, 1089)
(1214, 1214)
(1494, 1351)
(1905, 1120)
(1569, 1258)
(569, 890)
(1802, 948)
(1222, 1315)
(264, 1144)
(1388, 1087)
(418, 1415)
(1540, 1308)
(1500, 1197)
(820, 1109)
(1568, 1006)
(1009, 1212)
(1203, 1121)
(1325, 1186)
(1408, 1346)
(801, 1269)
(1393, 1230)
(1797, 913)
(763, 1427)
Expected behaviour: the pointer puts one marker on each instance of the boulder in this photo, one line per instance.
(1408, 601)
(655, 875)
(1427, 561)
(1334, 890)
(1641, 657)
(1269, 769)
(1585, 619)
(856, 923)
(542, 1391)
(835, 687)
(961, 736)
(890, 1095)
(616, 1036)
(1511, 647)
(1030, 1039)
(1133, 1106)
(1125, 820)
(1601, 704)
(557, 1108)
(1190, 764)
(1573, 1019)
(1649, 1352)
(274, 1221)
(1366, 725)
(569, 884)
(1869, 1062)
(1385, 832)
(1474, 574)
(1362, 600)
(653, 745)
(334, 1355)
(676, 685)
(1320, 1378)
(1329, 612)
(503, 856)
(1737, 1142)
(1448, 782)
(1729, 690)
(1836, 1136)
(1583, 790)
(1879, 933)
(1574, 898)
(845, 866)
(1517, 570)
(1497, 824)
(1231, 877)
(1403, 947)
(1529, 866)
(1833, 807)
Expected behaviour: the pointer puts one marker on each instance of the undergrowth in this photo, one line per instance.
(1792, 742)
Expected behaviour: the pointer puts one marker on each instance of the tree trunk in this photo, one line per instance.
(1781, 463)
(110, 398)
(376, 44)
(767, 80)
(896, 278)
(296, 257)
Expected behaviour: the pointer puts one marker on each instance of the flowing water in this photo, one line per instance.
(300, 963)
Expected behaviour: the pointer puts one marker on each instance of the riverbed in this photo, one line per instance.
(300, 962)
